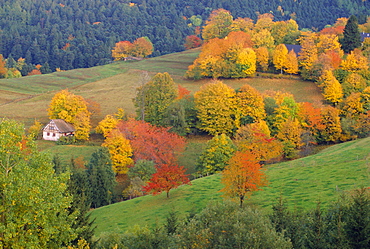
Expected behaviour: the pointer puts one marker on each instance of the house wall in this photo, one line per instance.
(52, 136)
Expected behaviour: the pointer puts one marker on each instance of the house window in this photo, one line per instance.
(48, 134)
(53, 134)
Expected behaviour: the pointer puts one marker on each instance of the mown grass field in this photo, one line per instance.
(114, 86)
(303, 183)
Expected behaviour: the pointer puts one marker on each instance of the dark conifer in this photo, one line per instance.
(351, 35)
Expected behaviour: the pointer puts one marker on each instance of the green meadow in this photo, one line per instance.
(303, 183)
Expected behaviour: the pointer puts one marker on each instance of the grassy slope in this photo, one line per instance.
(113, 86)
(321, 177)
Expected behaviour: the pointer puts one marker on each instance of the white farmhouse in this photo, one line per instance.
(56, 129)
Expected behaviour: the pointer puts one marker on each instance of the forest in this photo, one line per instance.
(77, 34)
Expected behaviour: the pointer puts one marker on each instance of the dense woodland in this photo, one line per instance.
(76, 34)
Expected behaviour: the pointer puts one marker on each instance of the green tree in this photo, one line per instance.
(101, 178)
(351, 35)
(153, 98)
(217, 25)
(215, 156)
(33, 200)
(225, 225)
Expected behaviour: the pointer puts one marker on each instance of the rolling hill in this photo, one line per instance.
(303, 183)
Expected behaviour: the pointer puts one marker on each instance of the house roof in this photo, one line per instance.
(61, 125)
(295, 48)
(364, 35)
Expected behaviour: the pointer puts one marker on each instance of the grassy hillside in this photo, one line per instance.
(303, 182)
(113, 86)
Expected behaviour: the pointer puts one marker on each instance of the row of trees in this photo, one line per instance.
(236, 48)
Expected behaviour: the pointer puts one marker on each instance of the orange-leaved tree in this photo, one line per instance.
(255, 138)
(166, 178)
(152, 143)
(242, 176)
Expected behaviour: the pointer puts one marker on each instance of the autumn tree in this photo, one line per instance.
(291, 63)
(290, 134)
(228, 58)
(251, 104)
(152, 143)
(217, 25)
(242, 176)
(354, 82)
(311, 119)
(3, 69)
(120, 151)
(192, 41)
(216, 155)
(308, 54)
(331, 122)
(279, 57)
(141, 47)
(263, 57)
(282, 29)
(351, 35)
(34, 200)
(72, 109)
(121, 50)
(263, 38)
(110, 122)
(35, 130)
(216, 106)
(355, 61)
(255, 138)
(242, 24)
(166, 178)
(264, 21)
(332, 89)
(153, 98)
(353, 106)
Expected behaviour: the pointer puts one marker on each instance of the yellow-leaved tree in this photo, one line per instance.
(247, 61)
(291, 63)
(263, 38)
(251, 105)
(332, 89)
(72, 109)
(355, 61)
(263, 57)
(279, 57)
(120, 151)
(217, 108)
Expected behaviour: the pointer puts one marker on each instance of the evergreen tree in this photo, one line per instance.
(78, 187)
(101, 178)
(351, 35)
